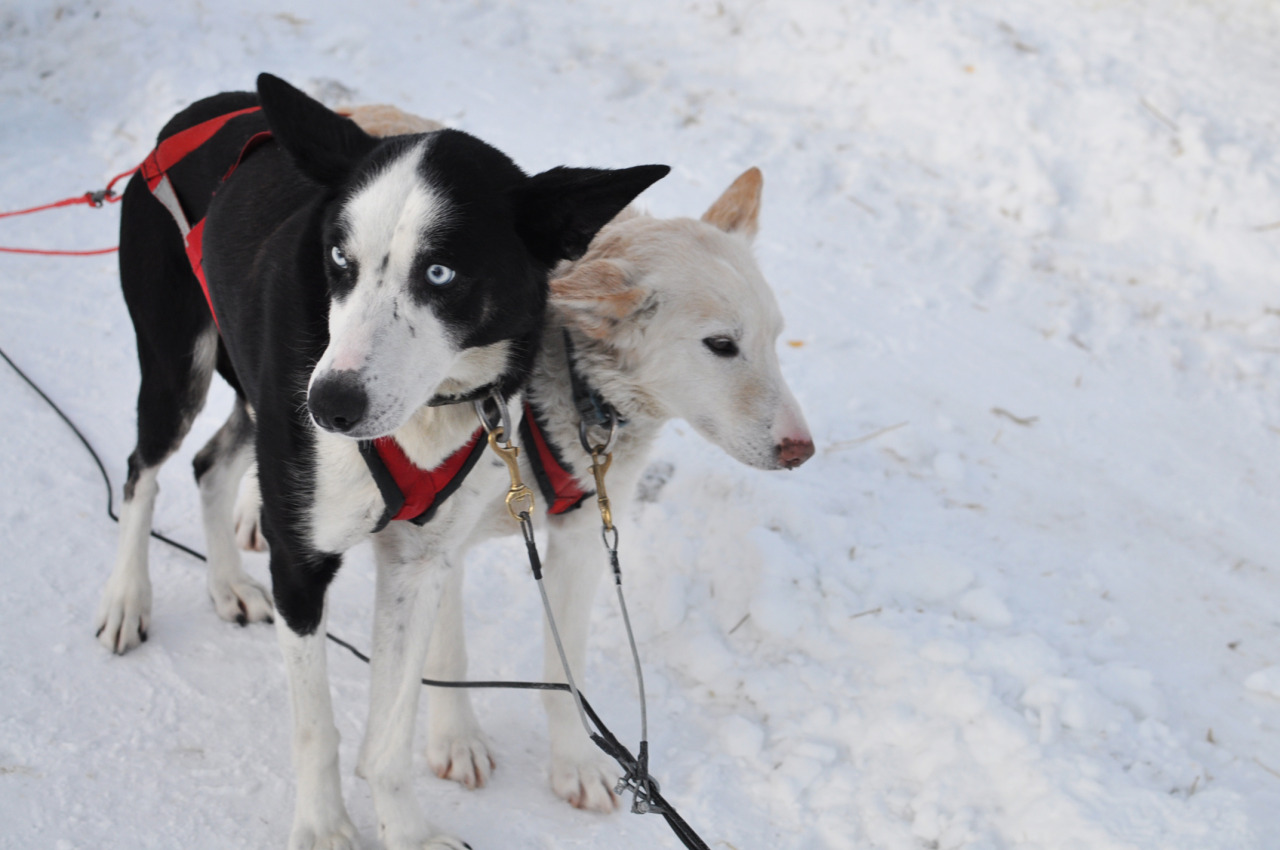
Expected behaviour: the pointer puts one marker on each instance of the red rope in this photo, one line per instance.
(110, 250)
(93, 199)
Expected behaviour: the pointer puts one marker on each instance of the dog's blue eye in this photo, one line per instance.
(721, 346)
(339, 258)
(438, 275)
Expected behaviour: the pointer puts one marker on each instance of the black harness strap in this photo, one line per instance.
(591, 405)
(392, 495)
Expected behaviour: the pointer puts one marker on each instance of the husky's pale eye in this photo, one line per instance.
(339, 258)
(721, 346)
(438, 275)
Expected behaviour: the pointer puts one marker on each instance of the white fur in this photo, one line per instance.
(347, 503)
(124, 613)
(379, 331)
(248, 511)
(320, 820)
(697, 282)
(411, 578)
(236, 596)
(457, 749)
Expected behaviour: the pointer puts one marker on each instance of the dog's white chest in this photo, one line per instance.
(347, 504)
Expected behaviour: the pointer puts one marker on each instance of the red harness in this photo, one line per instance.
(155, 170)
(558, 485)
(410, 492)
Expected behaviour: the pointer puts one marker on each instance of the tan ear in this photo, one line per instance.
(594, 296)
(738, 209)
(380, 119)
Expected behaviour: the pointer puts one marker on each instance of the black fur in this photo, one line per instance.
(268, 231)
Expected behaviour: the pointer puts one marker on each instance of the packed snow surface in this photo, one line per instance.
(1025, 595)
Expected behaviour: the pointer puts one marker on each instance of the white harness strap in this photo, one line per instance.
(164, 193)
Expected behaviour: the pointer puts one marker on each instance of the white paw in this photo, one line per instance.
(587, 783)
(241, 600)
(124, 614)
(463, 758)
(341, 836)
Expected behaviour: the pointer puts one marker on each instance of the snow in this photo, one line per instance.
(1025, 594)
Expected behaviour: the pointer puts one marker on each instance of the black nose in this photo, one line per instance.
(338, 402)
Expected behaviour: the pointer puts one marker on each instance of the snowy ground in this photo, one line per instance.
(1026, 594)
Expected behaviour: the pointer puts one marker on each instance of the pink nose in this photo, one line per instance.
(792, 453)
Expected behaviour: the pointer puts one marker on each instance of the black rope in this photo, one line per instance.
(636, 773)
(106, 479)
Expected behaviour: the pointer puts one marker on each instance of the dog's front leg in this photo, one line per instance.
(219, 466)
(409, 589)
(580, 773)
(456, 746)
(320, 820)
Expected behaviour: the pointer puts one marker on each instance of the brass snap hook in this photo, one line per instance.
(519, 496)
(600, 466)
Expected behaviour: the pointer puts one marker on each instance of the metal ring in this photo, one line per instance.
(613, 435)
(504, 416)
(524, 497)
(604, 536)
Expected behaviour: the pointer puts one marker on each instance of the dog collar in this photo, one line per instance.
(474, 395)
(592, 407)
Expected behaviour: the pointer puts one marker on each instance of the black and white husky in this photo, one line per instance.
(666, 318)
(359, 285)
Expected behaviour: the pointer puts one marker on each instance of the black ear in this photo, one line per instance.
(559, 212)
(323, 144)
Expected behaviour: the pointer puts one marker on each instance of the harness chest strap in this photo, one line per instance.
(411, 492)
(415, 494)
(558, 485)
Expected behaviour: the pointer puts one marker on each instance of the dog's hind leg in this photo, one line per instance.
(456, 747)
(124, 612)
(219, 466)
(410, 586)
(177, 353)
